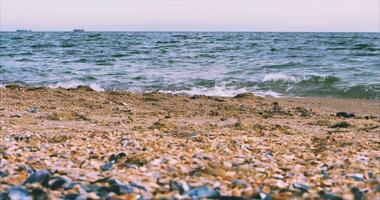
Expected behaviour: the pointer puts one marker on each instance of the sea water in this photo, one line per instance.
(343, 65)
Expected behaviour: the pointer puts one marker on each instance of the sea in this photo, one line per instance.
(342, 65)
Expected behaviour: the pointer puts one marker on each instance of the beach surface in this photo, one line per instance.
(79, 143)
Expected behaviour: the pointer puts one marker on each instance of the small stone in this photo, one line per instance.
(39, 194)
(3, 174)
(117, 157)
(15, 116)
(302, 187)
(340, 125)
(328, 196)
(18, 193)
(40, 176)
(345, 114)
(358, 177)
(180, 186)
(203, 192)
(56, 183)
(106, 167)
(358, 195)
(278, 176)
(121, 189)
(244, 95)
(238, 183)
(32, 110)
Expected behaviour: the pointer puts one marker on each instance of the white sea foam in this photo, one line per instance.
(262, 93)
(280, 77)
(74, 84)
(222, 92)
(214, 91)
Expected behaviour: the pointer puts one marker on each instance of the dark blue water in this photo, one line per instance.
(281, 64)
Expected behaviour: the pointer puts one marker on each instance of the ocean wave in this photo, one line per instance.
(25, 60)
(67, 45)
(284, 65)
(280, 77)
(75, 84)
(214, 91)
(41, 46)
(314, 80)
(222, 91)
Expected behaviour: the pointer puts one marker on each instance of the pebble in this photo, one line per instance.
(32, 110)
(358, 177)
(181, 186)
(106, 166)
(18, 193)
(340, 125)
(56, 183)
(202, 192)
(302, 187)
(328, 196)
(15, 116)
(238, 183)
(117, 157)
(40, 176)
(345, 114)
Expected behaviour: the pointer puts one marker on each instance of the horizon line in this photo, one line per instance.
(193, 31)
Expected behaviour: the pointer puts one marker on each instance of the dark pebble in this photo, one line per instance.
(345, 114)
(340, 125)
(71, 196)
(3, 174)
(140, 187)
(118, 187)
(56, 183)
(41, 176)
(117, 157)
(4, 196)
(182, 187)
(238, 183)
(302, 187)
(32, 110)
(358, 195)
(327, 196)
(121, 189)
(39, 194)
(244, 95)
(378, 188)
(19, 193)
(106, 167)
(230, 198)
(203, 192)
(70, 185)
(15, 116)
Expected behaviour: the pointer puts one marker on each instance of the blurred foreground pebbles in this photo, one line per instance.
(81, 144)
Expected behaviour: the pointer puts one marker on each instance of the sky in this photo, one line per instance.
(191, 15)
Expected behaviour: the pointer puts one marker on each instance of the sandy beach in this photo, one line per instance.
(79, 143)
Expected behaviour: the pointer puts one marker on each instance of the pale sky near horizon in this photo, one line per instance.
(191, 15)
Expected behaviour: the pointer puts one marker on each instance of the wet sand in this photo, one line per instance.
(78, 143)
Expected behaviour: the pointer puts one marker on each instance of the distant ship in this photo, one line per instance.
(23, 31)
(78, 30)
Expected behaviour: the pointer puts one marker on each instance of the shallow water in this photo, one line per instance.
(225, 64)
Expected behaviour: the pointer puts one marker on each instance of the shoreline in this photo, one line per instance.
(227, 94)
(162, 145)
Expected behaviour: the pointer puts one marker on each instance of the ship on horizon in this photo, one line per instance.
(78, 30)
(23, 31)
